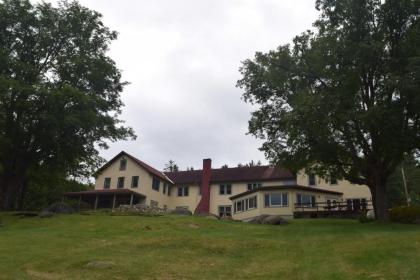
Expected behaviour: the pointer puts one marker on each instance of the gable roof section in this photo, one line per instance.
(148, 168)
(238, 174)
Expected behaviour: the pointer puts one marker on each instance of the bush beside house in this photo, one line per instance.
(407, 215)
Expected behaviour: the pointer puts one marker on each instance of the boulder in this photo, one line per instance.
(181, 211)
(46, 214)
(258, 219)
(269, 220)
(275, 220)
(60, 208)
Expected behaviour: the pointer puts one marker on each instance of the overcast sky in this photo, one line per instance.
(182, 59)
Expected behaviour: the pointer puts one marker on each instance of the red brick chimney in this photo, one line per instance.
(204, 205)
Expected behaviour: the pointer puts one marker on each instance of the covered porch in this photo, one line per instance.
(99, 199)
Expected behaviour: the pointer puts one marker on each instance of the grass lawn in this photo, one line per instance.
(173, 247)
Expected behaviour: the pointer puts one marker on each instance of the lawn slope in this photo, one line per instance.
(172, 247)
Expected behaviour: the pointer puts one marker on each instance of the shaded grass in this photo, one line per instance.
(168, 247)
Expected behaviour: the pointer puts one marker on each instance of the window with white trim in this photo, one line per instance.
(253, 186)
(107, 183)
(276, 200)
(134, 181)
(305, 200)
(123, 163)
(245, 204)
(120, 182)
(156, 184)
(183, 191)
(225, 189)
(225, 211)
(311, 179)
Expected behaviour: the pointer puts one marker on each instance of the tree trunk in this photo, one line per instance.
(11, 192)
(380, 199)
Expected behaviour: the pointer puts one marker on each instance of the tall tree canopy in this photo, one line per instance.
(59, 92)
(343, 100)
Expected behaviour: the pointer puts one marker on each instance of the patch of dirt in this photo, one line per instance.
(33, 274)
(100, 264)
(193, 226)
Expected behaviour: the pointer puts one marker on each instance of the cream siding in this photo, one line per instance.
(349, 190)
(285, 211)
(133, 169)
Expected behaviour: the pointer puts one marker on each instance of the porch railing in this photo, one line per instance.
(341, 206)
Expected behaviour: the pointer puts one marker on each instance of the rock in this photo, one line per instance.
(181, 211)
(139, 209)
(193, 226)
(99, 264)
(46, 214)
(370, 214)
(60, 208)
(258, 219)
(275, 220)
(269, 220)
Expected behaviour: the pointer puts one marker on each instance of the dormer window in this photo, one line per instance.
(123, 163)
(312, 179)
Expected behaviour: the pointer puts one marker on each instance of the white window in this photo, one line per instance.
(245, 204)
(107, 183)
(276, 200)
(225, 189)
(225, 211)
(312, 179)
(305, 200)
(134, 181)
(123, 164)
(120, 182)
(253, 186)
(183, 191)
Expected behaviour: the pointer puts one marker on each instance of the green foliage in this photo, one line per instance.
(395, 185)
(45, 188)
(59, 92)
(342, 100)
(407, 214)
(363, 218)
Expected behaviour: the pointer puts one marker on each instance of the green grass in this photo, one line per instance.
(169, 247)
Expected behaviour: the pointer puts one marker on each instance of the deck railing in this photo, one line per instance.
(347, 206)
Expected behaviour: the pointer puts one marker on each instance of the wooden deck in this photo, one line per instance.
(339, 209)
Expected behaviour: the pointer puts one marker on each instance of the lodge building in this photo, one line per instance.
(240, 192)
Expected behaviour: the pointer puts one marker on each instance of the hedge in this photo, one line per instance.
(407, 214)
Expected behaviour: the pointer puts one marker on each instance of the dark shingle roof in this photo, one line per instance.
(238, 174)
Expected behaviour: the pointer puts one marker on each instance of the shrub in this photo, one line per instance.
(363, 217)
(408, 214)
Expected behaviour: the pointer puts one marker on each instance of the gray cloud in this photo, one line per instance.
(182, 59)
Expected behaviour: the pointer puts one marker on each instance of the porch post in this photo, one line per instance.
(131, 199)
(114, 200)
(96, 202)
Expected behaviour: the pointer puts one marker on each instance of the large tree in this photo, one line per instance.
(59, 93)
(343, 100)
